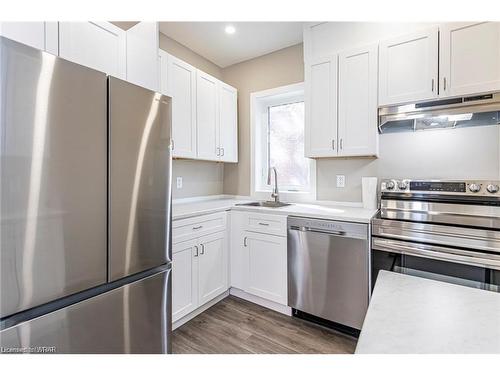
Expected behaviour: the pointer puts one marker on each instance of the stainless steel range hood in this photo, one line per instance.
(478, 110)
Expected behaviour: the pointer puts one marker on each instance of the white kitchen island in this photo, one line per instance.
(409, 314)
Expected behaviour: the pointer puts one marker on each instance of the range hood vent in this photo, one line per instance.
(478, 110)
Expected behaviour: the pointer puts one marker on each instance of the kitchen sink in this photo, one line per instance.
(268, 204)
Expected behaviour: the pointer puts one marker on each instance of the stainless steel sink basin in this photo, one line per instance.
(269, 204)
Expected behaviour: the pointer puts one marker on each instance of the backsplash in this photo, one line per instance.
(471, 153)
(199, 178)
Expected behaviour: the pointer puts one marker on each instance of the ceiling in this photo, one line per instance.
(251, 39)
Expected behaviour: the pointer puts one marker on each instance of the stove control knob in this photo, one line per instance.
(474, 188)
(390, 185)
(402, 185)
(492, 188)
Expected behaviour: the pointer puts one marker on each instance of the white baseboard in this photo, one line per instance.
(199, 310)
(261, 301)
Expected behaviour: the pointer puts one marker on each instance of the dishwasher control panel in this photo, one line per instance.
(339, 228)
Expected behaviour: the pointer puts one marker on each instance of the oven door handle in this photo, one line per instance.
(435, 252)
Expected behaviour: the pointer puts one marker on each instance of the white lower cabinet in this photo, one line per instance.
(199, 265)
(211, 267)
(259, 256)
(267, 272)
(184, 279)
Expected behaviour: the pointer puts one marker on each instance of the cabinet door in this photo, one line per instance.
(212, 267)
(207, 116)
(408, 68)
(228, 126)
(182, 88)
(184, 278)
(469, 58)
(98, 45)
(238, 256)
(163, 59)
(358, 134)
(321, 107)
(142, 55)
(39, 35)
(267, 266)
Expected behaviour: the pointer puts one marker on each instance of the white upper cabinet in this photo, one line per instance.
(469, 58)
(357, 108)
(228, 123)
(142, 55)
(408, 67)
(207, 115)
(98, 45)
(181, 86)
(41, 35)
(163, 61)
(321, 107)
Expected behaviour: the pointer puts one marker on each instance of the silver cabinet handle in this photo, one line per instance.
(333, 144)
(198, 227)
(436, 252)
(218, 151)
(196, 250)
(223, 152)
(202, 249)
(264, 224)
(432, 85)
(444, 83)
(341, 143)
(245, 242)
(307, 229)
(173, 144)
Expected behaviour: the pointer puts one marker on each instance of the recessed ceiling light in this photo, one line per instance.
(230, 29)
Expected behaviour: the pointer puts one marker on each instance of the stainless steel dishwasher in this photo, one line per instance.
(328, 270)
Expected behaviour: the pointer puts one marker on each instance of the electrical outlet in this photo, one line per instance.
(340, 181)
(179, 182)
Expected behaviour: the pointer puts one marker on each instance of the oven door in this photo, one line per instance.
(457, 266)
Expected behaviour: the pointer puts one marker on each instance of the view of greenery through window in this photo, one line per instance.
(286, 145)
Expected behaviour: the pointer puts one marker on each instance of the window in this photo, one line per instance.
(278, 141)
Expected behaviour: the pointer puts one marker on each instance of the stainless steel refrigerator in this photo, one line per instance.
(85, 209)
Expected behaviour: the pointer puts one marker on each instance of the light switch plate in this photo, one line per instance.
(340, 181)
(179, 182)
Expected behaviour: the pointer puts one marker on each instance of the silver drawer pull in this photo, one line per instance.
(199, 227)
(436, 252)
(307, 229)
(264, 224)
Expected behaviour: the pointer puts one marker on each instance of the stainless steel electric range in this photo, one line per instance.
(442, 230)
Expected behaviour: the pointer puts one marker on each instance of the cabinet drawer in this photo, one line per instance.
(186, 229)
(263, 223)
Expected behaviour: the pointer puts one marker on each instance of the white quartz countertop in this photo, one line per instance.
(184, 209)
(409, 314)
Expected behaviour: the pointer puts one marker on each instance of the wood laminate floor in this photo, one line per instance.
(236, 326)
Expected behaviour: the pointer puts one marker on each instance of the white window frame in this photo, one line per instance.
(259, 103)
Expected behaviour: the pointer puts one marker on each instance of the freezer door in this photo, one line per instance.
(53, 177)
(139, 179)
(132, 319)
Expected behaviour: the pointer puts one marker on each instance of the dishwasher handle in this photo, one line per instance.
(307, 229)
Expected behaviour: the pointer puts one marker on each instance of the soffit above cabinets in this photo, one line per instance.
(250, 40)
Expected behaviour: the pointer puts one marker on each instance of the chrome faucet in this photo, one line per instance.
(275, 194)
